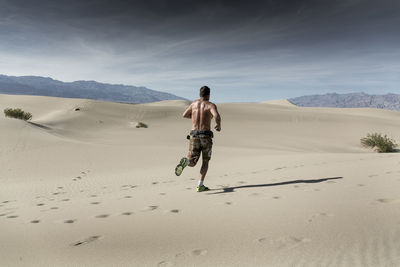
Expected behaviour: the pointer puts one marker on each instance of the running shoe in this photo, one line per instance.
(182, 164)
(202, 188)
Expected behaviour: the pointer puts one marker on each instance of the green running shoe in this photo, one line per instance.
(182, 164)
(202, 188)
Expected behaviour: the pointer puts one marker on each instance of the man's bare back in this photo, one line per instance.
(201, 112)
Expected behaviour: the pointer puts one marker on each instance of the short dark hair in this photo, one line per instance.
(204, 91)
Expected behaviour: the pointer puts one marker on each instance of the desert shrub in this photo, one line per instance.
(141, 125)
(381, 144)
(17, 113)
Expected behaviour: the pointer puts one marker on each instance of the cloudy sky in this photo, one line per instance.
(244, 50)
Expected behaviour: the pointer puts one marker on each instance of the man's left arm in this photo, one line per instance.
(188, 112)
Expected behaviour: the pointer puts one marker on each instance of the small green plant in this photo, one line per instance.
(382, 144)
(17, 113)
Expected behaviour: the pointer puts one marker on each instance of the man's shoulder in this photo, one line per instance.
(212, 104)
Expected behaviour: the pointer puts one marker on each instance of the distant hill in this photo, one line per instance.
(36, 85)
(353, 100)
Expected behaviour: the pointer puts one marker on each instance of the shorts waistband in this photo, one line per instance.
(201, 133)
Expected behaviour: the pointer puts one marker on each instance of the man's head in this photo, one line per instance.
(205, 92)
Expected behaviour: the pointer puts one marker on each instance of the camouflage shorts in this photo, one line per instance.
(201, 145)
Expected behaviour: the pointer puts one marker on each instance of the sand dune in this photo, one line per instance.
(281, 102)
(291, 186)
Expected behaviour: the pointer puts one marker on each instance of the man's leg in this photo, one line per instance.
(206, 153)
(191, 159)
(203, 171)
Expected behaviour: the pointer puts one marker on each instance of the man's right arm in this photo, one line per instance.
(215, 113)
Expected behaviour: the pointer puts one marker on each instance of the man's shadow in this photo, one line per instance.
(232, 189)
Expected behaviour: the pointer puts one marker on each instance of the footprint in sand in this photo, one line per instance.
(360, 185)
(372, 175)
(287, 242)
(128, 186)
(35, 221)
(326, 214)
(189, 188)
(93, 195)
(154, 183)
(127, 196)
(40, 204)
(12, 216)
(388, 200)
(228, 203)
(165, 264)
(65, 199)
(103, 216)
(150, 208)
(95, 203)
(60, 187)
(163, 194)
(199, 252)
(175, 211)
(54, 208)
(86, 241)
(69, 221)
(127, 213)
(276, 197)
(262, 240)
(321, 214)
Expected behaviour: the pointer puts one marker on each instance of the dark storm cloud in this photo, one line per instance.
(167, 44)
(185, 19)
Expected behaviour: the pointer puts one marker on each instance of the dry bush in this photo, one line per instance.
(17, 113)
(382, 144)
(141, 125)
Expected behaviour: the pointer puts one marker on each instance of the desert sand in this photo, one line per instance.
(290, 186)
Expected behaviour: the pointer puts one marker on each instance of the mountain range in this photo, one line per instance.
(351, 100)
(44, 86)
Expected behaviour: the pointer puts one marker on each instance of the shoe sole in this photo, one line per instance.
(207, 189)
(179, 168)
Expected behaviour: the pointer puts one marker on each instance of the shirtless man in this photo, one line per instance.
(201, 112)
